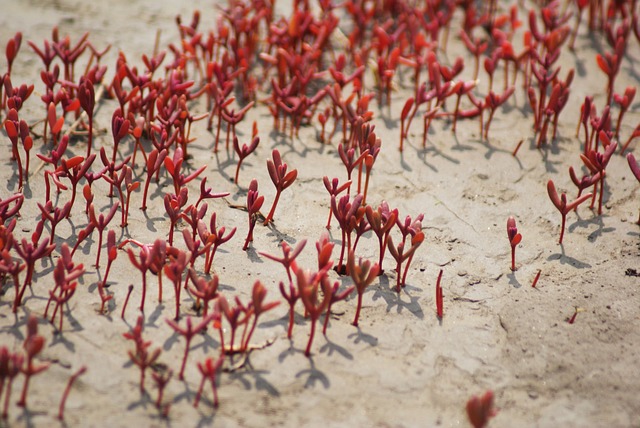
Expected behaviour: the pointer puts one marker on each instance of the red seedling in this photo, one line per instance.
(560, 202)
(381, 221)
(291, 297)
(610, 64)
(480, 409)
(11, 51)
(209, 370)
(87, 98)
(401, 256)
(67, 389)
(173, 205)
(100, 222)
(174, 166)
(64, 274)
(203, 289)
(309, 286)
(350, 162)
(348, 214)
(189, 333)
(143, 266)
(288, 256)
(535, 280)
(206, 192)
(280, 178)
(624, 101)
(10, 365)
(597, 162)
(243, 152)
(33, 345)
(213, 238)
(174, 268)
(336, 296)
(439, 297)
(514, 239)
(256, 308)
(363, 274)
(54, 215)
(635, 169)
(254, 203)
(154, 161)
(142, 357)
(334, 189)
(31, 252)
(161, 377)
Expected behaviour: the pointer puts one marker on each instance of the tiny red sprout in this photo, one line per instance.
(189, 333)
(31, 252)
(381, 220)
(334, 189)
(10, 365)
(126, 301)
(635, 170)
(309, 286)
(254, 203)
(535, 280)
(348, 215)
(258, 307)
(154, 161)
(560, 202)
(514, 239)
(100, 222)
(205, 290)
(142, 357)
(480, 409)
(400, 256)
(86, 95)
(280, 178)
(33, 345)
(439, 297)
(291, 297)
(161, 376)
(209, 370)
(575, 314)
(65, 394)
(11, 51)
(288, 256)
(363, 274)
(243, 152)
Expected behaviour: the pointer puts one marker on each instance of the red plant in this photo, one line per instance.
(288, 256)
(362, 274)
(348, 215)
(209, 370)
(31, 252)
(597, 162)
(480, 409)
(100, 222)
(10, 365)
(280, 178)
(65, 394)
(189, 333)
(254, 203)
(401, 256)
(514, 239)
(207, 290)
(87, 96)
(33, 345)
(212, 239)
(439, 297)
(309, 286)
(142, 357)
(243, 152)
(65, 274)
(334, 189)
(560, 202)
(154, 161)
(174, 268)
(535, 280)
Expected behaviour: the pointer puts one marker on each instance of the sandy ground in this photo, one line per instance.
(402, 366)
